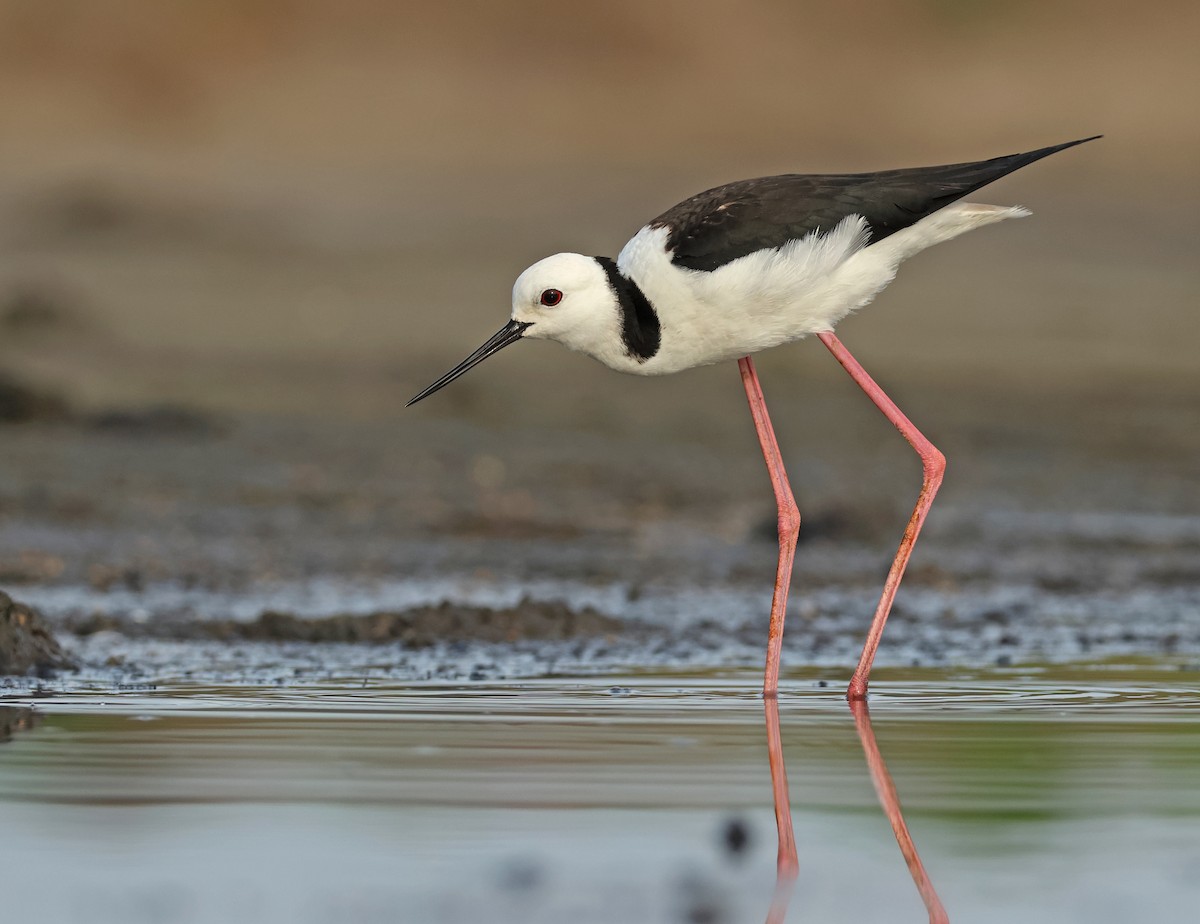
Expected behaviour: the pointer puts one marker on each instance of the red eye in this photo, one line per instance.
(551, 297)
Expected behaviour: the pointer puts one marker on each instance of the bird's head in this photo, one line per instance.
(566, 297)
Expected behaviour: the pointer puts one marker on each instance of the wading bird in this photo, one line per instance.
(751, 265)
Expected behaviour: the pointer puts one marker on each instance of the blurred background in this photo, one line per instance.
(214, 215)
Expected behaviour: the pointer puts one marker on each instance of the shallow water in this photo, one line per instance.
(1033, 795)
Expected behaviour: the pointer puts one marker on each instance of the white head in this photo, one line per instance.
(567, 297)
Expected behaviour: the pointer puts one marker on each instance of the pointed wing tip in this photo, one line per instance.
(1022, 160)
(1055, 148)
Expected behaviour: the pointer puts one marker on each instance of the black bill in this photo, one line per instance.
(509, 333)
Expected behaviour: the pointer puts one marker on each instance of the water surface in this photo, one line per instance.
(1054, 795)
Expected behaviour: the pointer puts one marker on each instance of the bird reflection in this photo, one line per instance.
(788, 863)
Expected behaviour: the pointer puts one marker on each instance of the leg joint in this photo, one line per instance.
(789, 521)
(934, 463)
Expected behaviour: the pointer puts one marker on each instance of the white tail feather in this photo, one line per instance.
(943, 225)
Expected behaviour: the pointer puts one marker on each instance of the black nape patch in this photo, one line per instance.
(639, 322)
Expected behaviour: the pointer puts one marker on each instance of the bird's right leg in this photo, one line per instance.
(788, 518)
(933, 464)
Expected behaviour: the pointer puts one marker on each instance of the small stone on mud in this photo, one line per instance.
(26, 643)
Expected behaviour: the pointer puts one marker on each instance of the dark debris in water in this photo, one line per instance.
(735, 837)
(701, 901)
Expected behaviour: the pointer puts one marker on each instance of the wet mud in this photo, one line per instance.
(167, 543)
(416, 627)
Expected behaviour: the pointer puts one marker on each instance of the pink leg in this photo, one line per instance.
(934, 465)
(886, 790)
(789, 522)
(787, 863)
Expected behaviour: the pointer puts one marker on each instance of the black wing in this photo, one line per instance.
(714, 227)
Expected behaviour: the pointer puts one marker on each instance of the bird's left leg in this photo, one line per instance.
(934, 465)
(789, 522)
(789, 528)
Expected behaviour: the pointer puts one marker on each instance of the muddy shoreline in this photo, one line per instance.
(427, 535)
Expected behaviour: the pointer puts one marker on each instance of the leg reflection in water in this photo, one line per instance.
(886, 790)
(788, 865)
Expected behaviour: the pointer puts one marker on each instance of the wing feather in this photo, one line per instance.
(719, 225)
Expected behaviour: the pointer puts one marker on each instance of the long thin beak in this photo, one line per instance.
(509, 333)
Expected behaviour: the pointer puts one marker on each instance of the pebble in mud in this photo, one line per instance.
(26, 643)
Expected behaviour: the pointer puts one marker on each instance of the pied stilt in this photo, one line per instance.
(752, 265)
